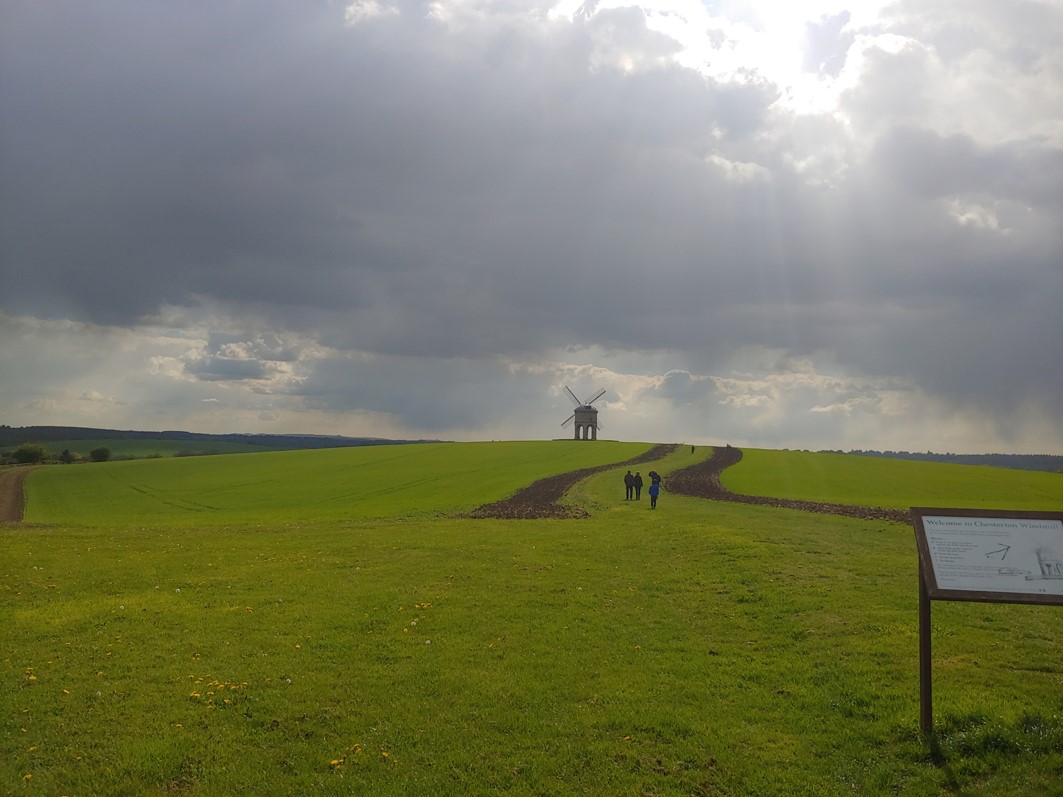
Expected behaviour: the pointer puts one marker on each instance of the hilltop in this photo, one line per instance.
(11, 436)
(1051, 463)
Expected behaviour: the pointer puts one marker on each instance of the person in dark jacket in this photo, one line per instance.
(629, 485)
(638, 486)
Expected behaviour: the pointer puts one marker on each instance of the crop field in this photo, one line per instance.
(425, 479)
(326, 622)
(873, 481)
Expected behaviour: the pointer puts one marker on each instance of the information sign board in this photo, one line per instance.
(997, 556)
(991, 555)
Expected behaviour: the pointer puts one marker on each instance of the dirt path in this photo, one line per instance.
(12, 499)
(703, 481)
(540, 499)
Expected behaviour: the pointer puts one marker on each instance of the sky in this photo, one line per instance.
(797, 224)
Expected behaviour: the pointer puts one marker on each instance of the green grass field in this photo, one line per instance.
(320, 623)
(873, 481)
(306, 486)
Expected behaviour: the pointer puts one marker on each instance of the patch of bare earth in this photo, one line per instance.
(703, 481)
(12, 498)
(541, 499)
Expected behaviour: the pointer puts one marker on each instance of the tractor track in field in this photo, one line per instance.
(540, 499)
(12, 497)
(703, 481)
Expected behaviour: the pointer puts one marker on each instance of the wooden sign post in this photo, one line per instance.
(987, 555)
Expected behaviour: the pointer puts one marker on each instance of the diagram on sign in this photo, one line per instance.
(996, 554)
(1003, 551)
(1051, 564)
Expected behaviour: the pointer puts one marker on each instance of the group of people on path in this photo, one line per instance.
(633, 487)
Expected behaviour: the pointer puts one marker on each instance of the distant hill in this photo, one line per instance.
(14, 436)
(1051, 463)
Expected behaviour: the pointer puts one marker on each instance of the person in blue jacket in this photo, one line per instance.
(655, 490)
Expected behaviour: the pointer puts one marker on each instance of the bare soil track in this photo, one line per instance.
(703, 481)
(540, 499)
(12, 498)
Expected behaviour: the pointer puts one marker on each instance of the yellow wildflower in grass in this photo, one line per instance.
(217, 690)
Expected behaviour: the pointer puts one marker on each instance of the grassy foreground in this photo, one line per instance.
(702, 648)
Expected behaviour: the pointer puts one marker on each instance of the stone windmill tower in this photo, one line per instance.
(585, 417)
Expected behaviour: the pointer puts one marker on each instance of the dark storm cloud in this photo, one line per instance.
(930, 165)
(225, 368)
(493, 185)
(155, 153)
(275, 159)
(429, 394)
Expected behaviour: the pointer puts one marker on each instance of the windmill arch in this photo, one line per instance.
(584, 417)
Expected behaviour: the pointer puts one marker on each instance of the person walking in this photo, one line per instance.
(655, 490)
(629, 485)
(638, 486)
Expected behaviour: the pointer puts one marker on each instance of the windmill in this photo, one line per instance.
(585, 416)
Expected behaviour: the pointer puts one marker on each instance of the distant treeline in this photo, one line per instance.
(1047, 462)
(18, 435)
